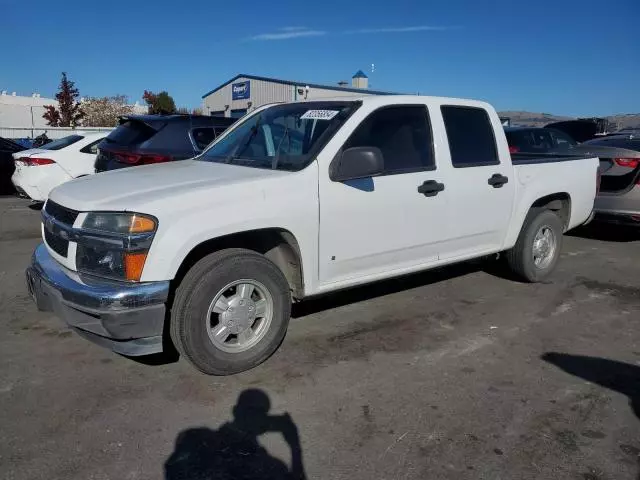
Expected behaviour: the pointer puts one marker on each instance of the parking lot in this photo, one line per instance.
(458, 373)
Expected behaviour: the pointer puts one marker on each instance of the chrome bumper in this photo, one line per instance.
(128, 318)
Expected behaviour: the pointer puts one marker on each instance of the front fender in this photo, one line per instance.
(291, 206)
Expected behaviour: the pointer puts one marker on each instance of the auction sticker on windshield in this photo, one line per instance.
(319, 114)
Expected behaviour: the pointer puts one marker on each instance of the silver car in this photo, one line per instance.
(619, 197)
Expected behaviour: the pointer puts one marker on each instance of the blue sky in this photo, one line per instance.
(563, 56)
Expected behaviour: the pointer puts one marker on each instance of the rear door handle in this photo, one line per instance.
(497, 180)
(430, 188)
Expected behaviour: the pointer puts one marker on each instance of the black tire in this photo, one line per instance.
(520, 257)
(196, 292)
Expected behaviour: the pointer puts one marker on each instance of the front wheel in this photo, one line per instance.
(230, 312)
(537, 250)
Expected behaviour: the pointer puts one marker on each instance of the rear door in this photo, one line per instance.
(480, 186)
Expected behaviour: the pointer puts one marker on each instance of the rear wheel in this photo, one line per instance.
(537, 250)
(230, 312)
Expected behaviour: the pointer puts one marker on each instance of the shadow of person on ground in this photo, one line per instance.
(232, 452)
(617, 376)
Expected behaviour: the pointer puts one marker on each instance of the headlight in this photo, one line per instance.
(119, 222)
(115, 245)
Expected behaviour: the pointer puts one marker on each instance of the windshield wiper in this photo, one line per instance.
(276, 157)
(239, 150)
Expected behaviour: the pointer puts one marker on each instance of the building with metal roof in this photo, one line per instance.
(245, 92)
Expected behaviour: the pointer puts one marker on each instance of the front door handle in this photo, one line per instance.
(497, 180)
(430, 188)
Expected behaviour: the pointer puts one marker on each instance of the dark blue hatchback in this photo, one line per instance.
(147, 139)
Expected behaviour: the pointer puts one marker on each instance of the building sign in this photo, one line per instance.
(240, 90)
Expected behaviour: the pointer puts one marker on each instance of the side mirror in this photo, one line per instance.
(357, 162)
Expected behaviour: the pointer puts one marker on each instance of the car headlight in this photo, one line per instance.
(122, 223)
(115, 245)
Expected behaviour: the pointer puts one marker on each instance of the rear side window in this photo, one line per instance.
(91, 148)
(403, 135)
(561, 139)
(538, 140)
(131, 132)
(470, 133)
(520, 140)
(203, 136)
(62, 142)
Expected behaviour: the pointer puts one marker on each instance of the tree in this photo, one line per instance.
(159, 103)
(104, 112)
(68, 113)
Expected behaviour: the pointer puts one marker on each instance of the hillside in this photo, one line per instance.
(532, 119)
(629, 120)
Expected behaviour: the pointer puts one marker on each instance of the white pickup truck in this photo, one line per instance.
(296, 199)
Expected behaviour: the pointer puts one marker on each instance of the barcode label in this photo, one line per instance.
(319, 114)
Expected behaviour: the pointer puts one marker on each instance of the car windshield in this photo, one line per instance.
(62, 142)
(283, 137)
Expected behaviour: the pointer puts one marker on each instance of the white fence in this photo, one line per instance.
(52, 132)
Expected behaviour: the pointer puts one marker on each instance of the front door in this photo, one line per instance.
(379, 225)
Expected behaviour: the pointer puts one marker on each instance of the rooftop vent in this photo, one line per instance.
(360, 80)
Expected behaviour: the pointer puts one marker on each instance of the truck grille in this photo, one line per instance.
(57, 244)
(60, 213)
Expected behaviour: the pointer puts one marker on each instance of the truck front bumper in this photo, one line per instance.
(127, 318)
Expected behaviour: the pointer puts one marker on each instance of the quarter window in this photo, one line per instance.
(202, 137)
(92, 148)
(470, 134)
(402, 134)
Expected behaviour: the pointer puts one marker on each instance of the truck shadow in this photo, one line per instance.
(353, 295)
(606, 232)
(390, 286)
(233, 450)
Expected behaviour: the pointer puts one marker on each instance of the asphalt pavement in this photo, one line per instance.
(457, 373)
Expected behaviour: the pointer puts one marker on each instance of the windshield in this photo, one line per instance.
(283, 137)
(62, 142)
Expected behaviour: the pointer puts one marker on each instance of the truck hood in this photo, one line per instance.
(147, 188)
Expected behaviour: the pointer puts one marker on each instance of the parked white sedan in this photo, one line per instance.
(39, 170)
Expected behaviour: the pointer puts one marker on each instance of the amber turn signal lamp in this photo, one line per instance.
(140, 224)
(133, 265)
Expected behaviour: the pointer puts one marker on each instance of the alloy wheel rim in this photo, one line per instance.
(544, 247)
(239, 315)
